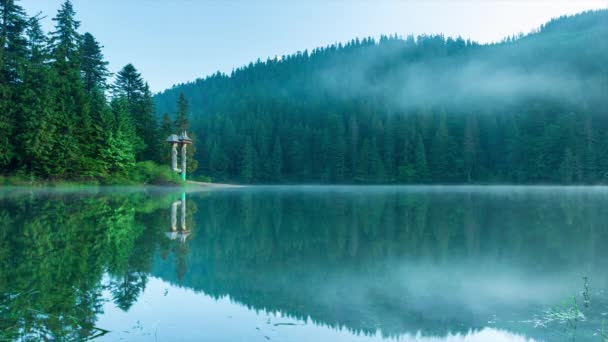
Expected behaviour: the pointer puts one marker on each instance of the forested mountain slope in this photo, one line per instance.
(531, 109)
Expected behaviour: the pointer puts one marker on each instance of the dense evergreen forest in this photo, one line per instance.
(530, 109)
(59, 116)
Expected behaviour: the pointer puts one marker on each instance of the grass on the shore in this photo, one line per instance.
(143, 173)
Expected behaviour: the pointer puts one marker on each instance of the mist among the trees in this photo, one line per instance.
(427, 109)
(430, 109)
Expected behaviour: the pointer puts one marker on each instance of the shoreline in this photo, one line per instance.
(188, 186)
(213, 185)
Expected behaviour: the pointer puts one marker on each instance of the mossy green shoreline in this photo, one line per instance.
(144, 173)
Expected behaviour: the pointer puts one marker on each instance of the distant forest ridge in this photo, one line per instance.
(530, 109)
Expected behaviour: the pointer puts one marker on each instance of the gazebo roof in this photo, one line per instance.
(184, 138)
(173, 138)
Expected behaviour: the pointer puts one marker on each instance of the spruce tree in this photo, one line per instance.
(165, 130)
(123, 141)
(37, 128)
(140, 106)
(93, 66)
(277, 161)
(148, 128)
(13, 47)
(420, 164)
(13, 42)
(247, 160)
(440, 158)
(470, 148)
(568, 167)
(363, 162)
(128, 84)
(182, 124)
(71, 111)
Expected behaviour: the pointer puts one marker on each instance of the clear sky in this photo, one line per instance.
(175, 41)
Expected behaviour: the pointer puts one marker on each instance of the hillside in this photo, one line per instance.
(531, 109)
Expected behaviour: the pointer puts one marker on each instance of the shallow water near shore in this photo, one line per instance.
(305, 263)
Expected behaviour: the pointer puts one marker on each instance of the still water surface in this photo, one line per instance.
(305, 264)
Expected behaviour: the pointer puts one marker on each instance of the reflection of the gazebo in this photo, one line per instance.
(182, 234)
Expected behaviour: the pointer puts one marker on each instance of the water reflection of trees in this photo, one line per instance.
(54, 252)
(330, 257)
(279, 250)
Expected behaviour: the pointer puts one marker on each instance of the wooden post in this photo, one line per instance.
(184, 210)
(184, 161)
(174, 157)
(174, 215)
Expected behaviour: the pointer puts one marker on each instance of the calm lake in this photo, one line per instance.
(305, 263)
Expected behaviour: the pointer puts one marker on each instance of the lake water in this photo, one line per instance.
(305, 264)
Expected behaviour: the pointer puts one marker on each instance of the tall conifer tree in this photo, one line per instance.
(13, 47)
(93, 66)
(71, 111)
(182, 123)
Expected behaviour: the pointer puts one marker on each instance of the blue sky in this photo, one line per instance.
(176, 41)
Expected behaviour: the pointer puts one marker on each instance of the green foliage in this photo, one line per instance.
(52, 96)
(135, 93)
(149, 172)
(182, 123)
(93, 67)
(453, 110)
(56, 250)
(407, 174)
(165, 130)
(201, 178)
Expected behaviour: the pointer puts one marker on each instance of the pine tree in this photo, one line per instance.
(13, 43)
(71, 113)
(363, 162)
(165, 130)
(13, 46)
(247, 160)
(420, 165)
(389, 157)
(470, 148)
(6, 128)
(93, 66)
(440, 156)
(140, 105)
(123, 141)
(37, 128)
(181, 116)
(65, 41)
(149, 127)
(103, 132)
(128, 84)
(218, 162)
(376, 165)
(568, 168)
(277, 161)
(182, 124)
(335, 149)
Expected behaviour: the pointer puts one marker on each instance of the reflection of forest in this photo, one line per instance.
(360, 260)
(393, 260)
(55, 249)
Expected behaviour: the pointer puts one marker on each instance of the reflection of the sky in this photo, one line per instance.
(169, 313)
